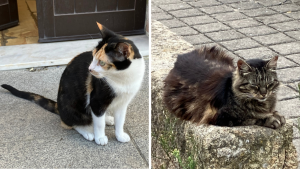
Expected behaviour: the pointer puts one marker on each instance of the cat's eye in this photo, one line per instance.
(254, 86)
(270, 85)
(101, 63)
(275, 82)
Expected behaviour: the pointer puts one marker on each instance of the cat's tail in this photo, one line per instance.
(45, 103)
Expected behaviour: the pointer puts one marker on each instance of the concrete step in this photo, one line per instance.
(59, 53)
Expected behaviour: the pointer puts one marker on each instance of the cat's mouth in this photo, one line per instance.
(262, 99)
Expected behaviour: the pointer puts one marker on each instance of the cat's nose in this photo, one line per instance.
(90, 70)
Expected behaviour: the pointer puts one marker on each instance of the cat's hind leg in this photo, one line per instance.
(109, 120)
(86, 131)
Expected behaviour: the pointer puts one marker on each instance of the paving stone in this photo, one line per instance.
(184, 31)
(294, 85)
(207, 45)
(294, 34)
(256, 31)
(159, 2)
(205, 3)
(295, 15)
(258, 12)
(240, 44)
(141, 139)
(249, 22)
(289, 108)
(198, 20)
(255, 53)
(225, 35)
(270, 3)
(230, 1)
(273, 19)
(155, 9)
(294, 57)
(211, 27)
(173, 23)
(287, 48)
(186, 13)
(289, 75)
(160, 16)
(197, 39)
(177, 6)
(285, 92)
(216, 9)
(273, 39)
(284, 63)
(286, 8)
(286, 26)
(234, 56)
(246, 5)
(229, 16)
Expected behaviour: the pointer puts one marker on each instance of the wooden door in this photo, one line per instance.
(60, 20)
(8, 14)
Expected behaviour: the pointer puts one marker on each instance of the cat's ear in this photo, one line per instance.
(124, 49)
(272, 63)
(104, 31)
(243, 67)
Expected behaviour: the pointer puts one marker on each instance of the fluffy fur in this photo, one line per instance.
(206, 88)
(93, 84)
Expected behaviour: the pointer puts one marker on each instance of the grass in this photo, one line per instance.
(169, 141)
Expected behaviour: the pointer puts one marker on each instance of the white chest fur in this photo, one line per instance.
(126, 83)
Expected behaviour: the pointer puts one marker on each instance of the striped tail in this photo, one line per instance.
(45, 103)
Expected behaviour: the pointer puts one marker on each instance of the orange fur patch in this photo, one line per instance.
(101, 56)
(99, 26)
(63, 125)
(208, 115)
(131, 55)
(88, 83)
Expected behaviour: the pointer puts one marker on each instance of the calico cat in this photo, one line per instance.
(93, 84)
(205, 87)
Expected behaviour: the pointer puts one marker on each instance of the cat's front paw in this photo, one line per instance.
(109, 120)
(275, 121)
(123, 137)
(280, 118)
(101, 140)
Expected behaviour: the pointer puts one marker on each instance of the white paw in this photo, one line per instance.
(109, 120)
(88, 136)
(102, 140)
(123, 137)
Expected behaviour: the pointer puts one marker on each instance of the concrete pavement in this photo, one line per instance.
(31, 137)
(245, 29)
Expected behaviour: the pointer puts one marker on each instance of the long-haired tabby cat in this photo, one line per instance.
(93, 84)
(205, 87)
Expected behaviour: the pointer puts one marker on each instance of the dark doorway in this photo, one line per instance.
(60, 20)
(8, 14)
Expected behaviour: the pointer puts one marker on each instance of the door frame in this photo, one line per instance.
(41, 16)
